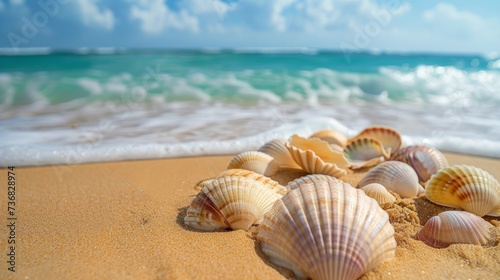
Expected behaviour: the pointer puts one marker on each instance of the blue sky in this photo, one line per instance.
(393, 25)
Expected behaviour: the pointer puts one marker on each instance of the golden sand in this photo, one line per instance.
(124, 220)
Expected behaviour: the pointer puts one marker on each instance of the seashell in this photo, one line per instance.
(331, 136)
(425, 160)
(308, 179)
(311, 163)
(278, 150)
(327, 230)
(379, 193)
(396, 176)
(365, 152)
(255, 161)
(230, 202)
(268, 182)
(387, 136)
(465, 187)
(451, 227)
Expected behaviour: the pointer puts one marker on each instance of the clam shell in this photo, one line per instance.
(331, 136)
(365, 152)
(278, 150)
(268, 182)
(387, 136)
(308, 179)
(235, 202)
(379, 193)
(425, 160)
(255, 161)
(327, 230)
(451, 227)
(396, 176)
(465, 187)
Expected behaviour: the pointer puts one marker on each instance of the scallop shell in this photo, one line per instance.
(331, 136)
(387, 136)
(425, 160)
(451, 227)
(379, 193)
(308, 179)
(255, 161)
(396, 176)
(327, 230)
(365, 152)
(465, 187)
(235, 202)
(313, 164)
(277, 149)
(268, 182)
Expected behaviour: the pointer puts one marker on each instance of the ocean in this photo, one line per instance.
(96, 105)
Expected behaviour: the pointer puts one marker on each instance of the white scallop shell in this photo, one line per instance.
(255, 161)
(331, 136)
(388, 137)
(230, 202)
(268, 182)
(465, 187)
(379, 193)
(425, 160)
(365, 152)
(396, 176)
(451, 227)
(278, 150)
(327, 230)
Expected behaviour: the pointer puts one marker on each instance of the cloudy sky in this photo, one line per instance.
(391, 25)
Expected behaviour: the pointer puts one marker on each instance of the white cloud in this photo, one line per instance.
(92, 15)
(448, 12)
(155, 16)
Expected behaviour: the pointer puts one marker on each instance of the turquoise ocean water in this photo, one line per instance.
(100, 105)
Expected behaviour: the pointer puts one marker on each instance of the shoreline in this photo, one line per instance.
(125, 220)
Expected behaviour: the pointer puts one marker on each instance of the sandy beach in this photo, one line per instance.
(124, 220)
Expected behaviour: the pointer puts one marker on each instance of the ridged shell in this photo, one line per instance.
(425, 160)
(313, 164)
(255, 161)
(268, 182)
(331, 136)
(465, 187)
(379, 193)
(396, 176)
(387, 136)
(321, 148)
(327, 230)
(451, 227)
(232, 201)
(365, 152)
(277, 149)
(308, 179)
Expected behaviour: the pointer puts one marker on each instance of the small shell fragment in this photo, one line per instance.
(379, 193)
